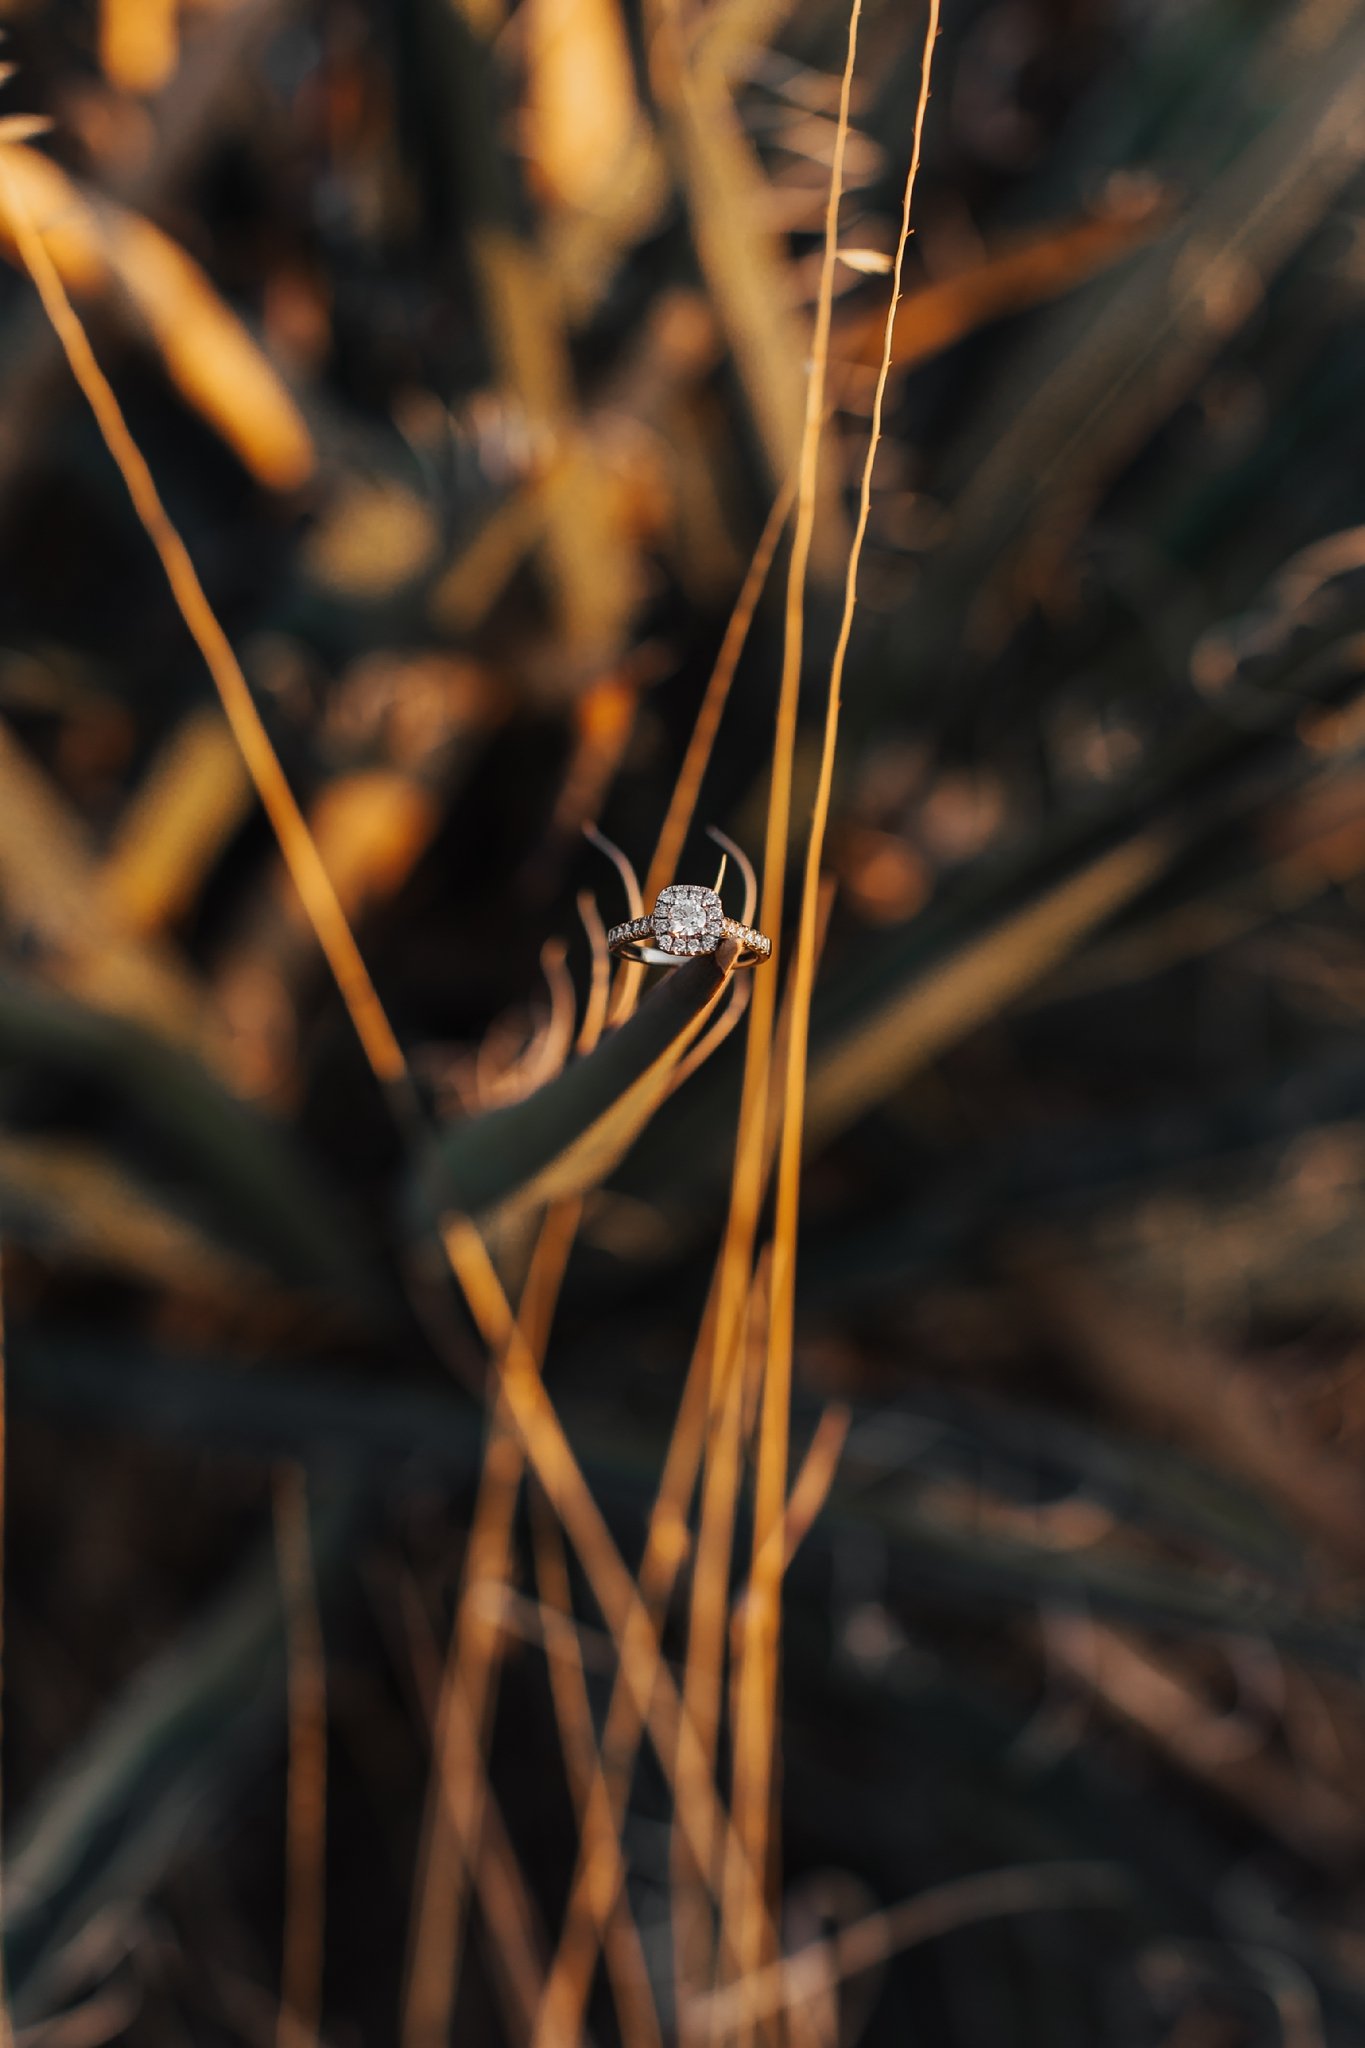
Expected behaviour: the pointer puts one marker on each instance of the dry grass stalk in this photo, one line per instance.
(97, 246)
(627, 1968)
(756, 1732)
(459, 1792)
(305, 865)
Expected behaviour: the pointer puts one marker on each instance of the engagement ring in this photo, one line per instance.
(686, 920)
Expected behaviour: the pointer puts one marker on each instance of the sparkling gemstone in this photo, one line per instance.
(687, 919)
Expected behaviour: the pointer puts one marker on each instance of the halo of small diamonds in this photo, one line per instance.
(687, 919)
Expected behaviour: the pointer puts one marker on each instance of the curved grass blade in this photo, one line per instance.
(569, 1135)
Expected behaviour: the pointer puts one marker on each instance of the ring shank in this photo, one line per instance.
(642, 955)
(633, 941)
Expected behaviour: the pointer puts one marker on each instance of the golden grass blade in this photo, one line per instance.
(502, 1890)
(94, 245)
(306, 1800)
(810, 1489)
(461, 1799)
(592, 1156)
(459, 1793)
(624, 1607)
(305, 865)
(629, 976)
(682, 804)
(627, 1969)
(665, 1552)
(537, 1424)
(565, 1138)
(704, 1671)
(599, 990)
(370, 828)
(752, 1772)
(175, 825)
(747, 1180)
(756, 1731)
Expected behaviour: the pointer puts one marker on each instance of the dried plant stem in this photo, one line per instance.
(627, 1969)
(735, 1264)
(306, 1798)
(458, 1794)
(516, 1952)
(757, 1717)
(571, 1973)
(703, 1677)
(753, 1772)
(570, 1976)
(587, 1916)
(741, 1229)
(301, 857)
(665, 1552)
(682, 804)
(646, 1676)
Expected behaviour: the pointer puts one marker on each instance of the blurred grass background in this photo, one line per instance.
(467, 343)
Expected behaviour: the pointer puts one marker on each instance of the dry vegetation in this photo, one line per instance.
(466, 1577)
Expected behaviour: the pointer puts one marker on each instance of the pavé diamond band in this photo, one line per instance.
(686, 920)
